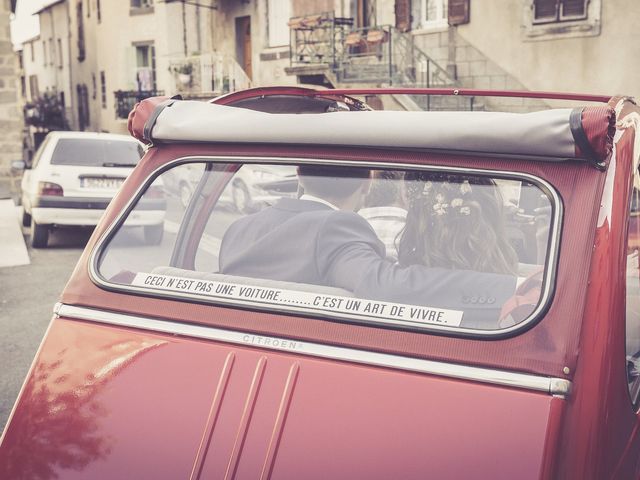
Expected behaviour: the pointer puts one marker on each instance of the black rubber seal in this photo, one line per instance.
(151, 121)
(580, 137)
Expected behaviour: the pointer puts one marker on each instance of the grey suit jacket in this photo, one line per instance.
(306, 241)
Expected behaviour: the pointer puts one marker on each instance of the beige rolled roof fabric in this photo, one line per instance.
(551, 133)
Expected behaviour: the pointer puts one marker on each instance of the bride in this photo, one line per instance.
(455, 221)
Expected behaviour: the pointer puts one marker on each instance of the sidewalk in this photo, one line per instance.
(13, 251)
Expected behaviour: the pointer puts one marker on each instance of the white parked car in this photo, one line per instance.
(252, 186)
(255, 185)
(74, 176)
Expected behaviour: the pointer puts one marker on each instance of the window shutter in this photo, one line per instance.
(544, 9)
(403, 15)
(279, 12)
(574, 8)
(80, 19)
(458, 12)
(33, 87)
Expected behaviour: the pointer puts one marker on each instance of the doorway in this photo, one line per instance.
(365, 12)
(243, 44)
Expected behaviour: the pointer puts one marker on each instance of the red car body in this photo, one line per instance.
(136, 386)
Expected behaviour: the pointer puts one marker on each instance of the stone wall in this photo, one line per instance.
(472, 69)
(10, 115)
(598, 55)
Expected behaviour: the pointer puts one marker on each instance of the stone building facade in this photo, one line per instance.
(121, 50)
(587, 46)
(504, 46)
(10, 115)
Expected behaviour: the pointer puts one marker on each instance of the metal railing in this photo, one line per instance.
(417, 69)
(208, 75)
(383, 53)
(367, 56)
(379, 52)
(317, 38)
(379, 55)
(126, 99)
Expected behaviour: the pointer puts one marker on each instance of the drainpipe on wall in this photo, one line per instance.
(184, 28)
(198, 32)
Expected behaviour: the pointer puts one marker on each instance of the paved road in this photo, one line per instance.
(27, 296)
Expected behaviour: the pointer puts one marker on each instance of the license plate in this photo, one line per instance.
(103, 183)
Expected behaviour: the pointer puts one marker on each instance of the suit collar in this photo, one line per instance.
(312, 198)
(297, 205)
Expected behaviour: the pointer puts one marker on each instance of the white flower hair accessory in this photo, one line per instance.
(441, 193)
(441, 204)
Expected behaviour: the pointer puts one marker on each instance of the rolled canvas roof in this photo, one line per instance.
(554, 133)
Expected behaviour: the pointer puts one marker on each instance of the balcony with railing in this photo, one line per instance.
(126, 99)
(207, 76)
(376, 55)
(318, 38)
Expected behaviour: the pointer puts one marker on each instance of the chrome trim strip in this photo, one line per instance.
(550, 266)
(553, 386)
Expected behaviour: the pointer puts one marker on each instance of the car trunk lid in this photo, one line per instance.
(112, 402)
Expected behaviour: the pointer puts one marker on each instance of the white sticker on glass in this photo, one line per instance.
(313, 301)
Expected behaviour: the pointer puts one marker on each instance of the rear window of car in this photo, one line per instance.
(96, 152)
(421, 248)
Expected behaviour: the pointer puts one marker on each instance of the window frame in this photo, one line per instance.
(570, 27)
(140, 4)
(634, 398)
(275, 32)
(150, 55)
(559, 16)
(442, 12)
(550, 268)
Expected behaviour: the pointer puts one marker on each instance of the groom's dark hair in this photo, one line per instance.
(332, 181)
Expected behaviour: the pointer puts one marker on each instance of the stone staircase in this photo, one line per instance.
(472, 69)
(399, 62)
(367, 73)
(382, 56)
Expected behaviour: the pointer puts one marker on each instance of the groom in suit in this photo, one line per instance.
(319, 239)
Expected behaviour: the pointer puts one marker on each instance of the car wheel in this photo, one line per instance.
(39, 235)
(185, 194)
(241, 197)
(153, 234)
(26, 218)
